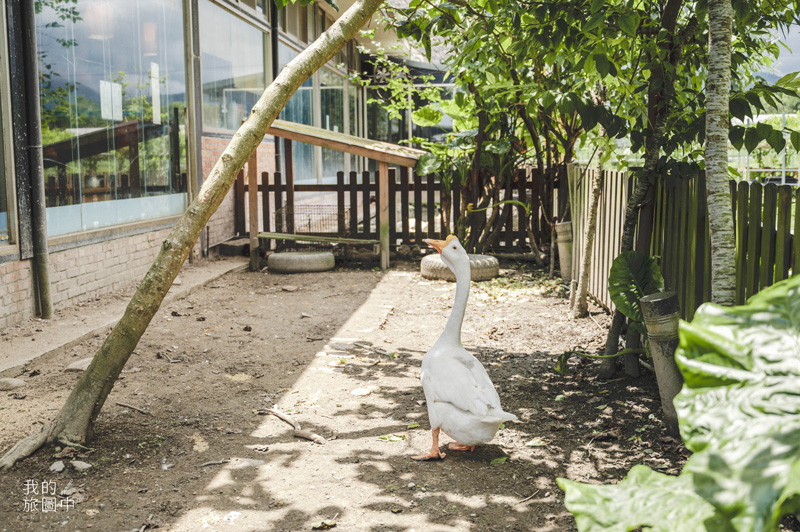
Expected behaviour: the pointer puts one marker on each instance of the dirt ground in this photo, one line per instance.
(340, 353)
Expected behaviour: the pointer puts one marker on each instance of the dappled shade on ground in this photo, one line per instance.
(349, 371)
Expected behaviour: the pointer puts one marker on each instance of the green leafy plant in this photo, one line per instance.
(633, 275)
(739, 412)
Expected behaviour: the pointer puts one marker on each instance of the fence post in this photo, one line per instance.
(252, 202)
(383, 212)
(661, 315)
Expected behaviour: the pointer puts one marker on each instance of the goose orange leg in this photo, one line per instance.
(435, 453)
(455, 446)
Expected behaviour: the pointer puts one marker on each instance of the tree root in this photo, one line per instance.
(25, 447)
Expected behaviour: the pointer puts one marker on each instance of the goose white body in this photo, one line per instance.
(461, 398)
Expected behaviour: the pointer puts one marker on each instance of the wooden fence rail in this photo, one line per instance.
(420, 207)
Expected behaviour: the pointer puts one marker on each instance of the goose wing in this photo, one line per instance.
(458, 378)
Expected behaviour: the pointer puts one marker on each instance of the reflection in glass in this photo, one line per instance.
(3, 187)
(331, 86)
(112, 84)
(300, 109)
(380, 126)
(234, 74)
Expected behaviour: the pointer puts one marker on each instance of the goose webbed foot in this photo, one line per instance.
(455, 446)
(435, 453)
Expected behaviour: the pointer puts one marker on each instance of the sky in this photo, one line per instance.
(790, 61)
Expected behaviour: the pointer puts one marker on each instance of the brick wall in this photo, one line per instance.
(221, 224)
(16, 292)
(78, 274)
(84, 272)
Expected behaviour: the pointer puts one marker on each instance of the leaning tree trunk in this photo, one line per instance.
(581, 308)
(720, 219)
(74, 423)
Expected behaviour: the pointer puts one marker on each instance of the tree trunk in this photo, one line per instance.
(657, 110)
(720, 218)
(581, 308)
(74, 423)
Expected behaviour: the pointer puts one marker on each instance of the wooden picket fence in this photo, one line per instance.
(420, 207)
(767, 235)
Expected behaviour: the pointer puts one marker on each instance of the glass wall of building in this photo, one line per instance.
(300, 109)
(112, 97)
(5, 181)
(234, 67)
(331, 88)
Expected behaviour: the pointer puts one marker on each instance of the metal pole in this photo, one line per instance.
(41, 258)
(661, 316)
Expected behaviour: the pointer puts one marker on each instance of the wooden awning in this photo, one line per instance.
(372, 149)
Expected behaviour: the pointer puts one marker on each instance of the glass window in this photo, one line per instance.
(4, 183)
(300, 109)
(293, 19)
(354, 107)
(233, 67)
(331, 87)
(112, 97)
(380, 126)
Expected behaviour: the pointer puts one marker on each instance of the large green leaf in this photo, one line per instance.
(633, 275)
(739, 412)
(427, 164)
(639, 500)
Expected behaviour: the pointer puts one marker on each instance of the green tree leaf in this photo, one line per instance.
(794, 136)
(595, 21)
(629, 22)
(427, 116)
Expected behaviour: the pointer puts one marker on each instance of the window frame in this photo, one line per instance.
(12, 246)
(261, 25)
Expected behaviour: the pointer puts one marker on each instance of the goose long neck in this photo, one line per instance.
(452, 330)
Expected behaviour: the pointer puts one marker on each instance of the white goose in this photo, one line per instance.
(461, 398)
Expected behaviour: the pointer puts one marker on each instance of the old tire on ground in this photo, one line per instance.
(301, 261)
(483, 268)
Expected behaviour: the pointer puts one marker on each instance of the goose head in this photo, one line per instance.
(452, 252)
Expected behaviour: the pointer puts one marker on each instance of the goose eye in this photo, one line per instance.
(454, 247)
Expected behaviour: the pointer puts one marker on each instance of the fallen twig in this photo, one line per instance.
(135, 408)
(596, 323)
(529, 497)
(217, 462)
(298, 431)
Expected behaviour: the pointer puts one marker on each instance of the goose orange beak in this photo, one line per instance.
(438, 245)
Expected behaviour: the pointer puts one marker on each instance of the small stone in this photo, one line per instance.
(289, 288)
(10, 384)
(363, 391)
(79, 365)
(80, 466)
(57, 467)
(411, 485)
(178, 281)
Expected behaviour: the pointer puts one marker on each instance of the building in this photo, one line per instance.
(137, 101)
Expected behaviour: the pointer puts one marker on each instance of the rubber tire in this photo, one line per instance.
(483, 268)
(301, 261)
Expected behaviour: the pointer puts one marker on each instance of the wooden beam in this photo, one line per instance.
(252, 203)
(372, 149)
(383, 212)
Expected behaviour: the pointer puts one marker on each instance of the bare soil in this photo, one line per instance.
(339, 352)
